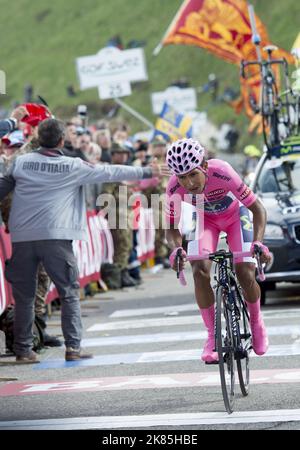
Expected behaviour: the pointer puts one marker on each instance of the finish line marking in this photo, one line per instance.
(113, 422)
(155, 357)
(201, 379)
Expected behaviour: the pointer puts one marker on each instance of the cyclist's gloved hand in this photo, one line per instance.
(172, 258)
(265, 256)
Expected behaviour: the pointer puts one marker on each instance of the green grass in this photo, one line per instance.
(40, 41)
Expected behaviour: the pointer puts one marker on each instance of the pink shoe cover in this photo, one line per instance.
(260, 342)
(208, 316)
(208, 355)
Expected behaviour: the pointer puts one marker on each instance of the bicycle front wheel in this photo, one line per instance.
(242, 359)
(225, 349)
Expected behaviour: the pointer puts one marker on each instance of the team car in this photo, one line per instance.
(277, 183)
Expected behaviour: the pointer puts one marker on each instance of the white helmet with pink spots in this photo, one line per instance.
(185, 155)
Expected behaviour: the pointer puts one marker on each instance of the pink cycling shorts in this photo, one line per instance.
(237, 224)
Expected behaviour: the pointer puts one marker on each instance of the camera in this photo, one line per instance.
(82, 114)
(82, 111)
(81, 130)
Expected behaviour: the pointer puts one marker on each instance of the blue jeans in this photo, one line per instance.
(21, 271)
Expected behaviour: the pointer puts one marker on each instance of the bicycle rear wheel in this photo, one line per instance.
(224, 344)
(270, 120)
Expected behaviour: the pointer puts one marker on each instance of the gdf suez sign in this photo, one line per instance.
(112, 70)
(2, 82)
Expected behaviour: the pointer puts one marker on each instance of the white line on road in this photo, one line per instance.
(158, 310)
(165, 310)
(139, 421)
(145, 338)
(165, 322)
(180, 336)
(146, 323)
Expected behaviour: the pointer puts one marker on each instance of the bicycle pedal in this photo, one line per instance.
(212, 362)
(241, 354)
(245, 336)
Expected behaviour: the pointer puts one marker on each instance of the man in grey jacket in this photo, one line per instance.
(47, 213)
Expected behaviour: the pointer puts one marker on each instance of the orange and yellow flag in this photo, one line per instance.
(223, 28)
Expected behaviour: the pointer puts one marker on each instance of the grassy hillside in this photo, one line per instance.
(40, 41)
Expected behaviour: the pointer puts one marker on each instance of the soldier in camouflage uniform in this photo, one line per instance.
(158, 151)
(118, 217)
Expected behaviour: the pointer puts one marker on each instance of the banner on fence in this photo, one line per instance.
(90, 254)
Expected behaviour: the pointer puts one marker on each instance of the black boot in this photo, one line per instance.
(126, 280)
(48, 341)
(162, 261)
(136, 275)
(166, 263)
(51, 341)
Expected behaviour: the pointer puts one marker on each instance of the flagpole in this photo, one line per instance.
(255, 36)
(133, 112)
(160, 45)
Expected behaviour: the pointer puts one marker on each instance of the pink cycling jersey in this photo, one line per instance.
(223, 191)
(222, 210)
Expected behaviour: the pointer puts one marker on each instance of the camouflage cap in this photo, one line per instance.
(117, 148)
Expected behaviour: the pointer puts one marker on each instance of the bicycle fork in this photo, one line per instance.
(234, 335)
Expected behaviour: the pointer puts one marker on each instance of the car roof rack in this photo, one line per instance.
(290, 146)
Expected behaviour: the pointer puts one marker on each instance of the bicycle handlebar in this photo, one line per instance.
(177, 259)
(260, 268)
(262, 64)
(180, 273)
(214, 256)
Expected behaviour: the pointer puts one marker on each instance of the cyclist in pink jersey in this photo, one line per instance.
(223, 201)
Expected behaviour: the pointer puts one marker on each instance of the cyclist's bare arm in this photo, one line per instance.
(173, 237)
(259, 219)
(259, 224)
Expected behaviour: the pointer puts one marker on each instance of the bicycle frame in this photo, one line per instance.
(224, 280)
(228, 281)
(276, 114)
(274, 110)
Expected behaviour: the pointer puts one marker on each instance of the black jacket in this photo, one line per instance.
(6, 126)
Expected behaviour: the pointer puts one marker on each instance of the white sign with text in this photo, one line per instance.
(181, 99)
(111, 65)
(114, 89)
(2, 82)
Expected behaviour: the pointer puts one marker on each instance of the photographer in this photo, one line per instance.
(71, 142)
(102, 137)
